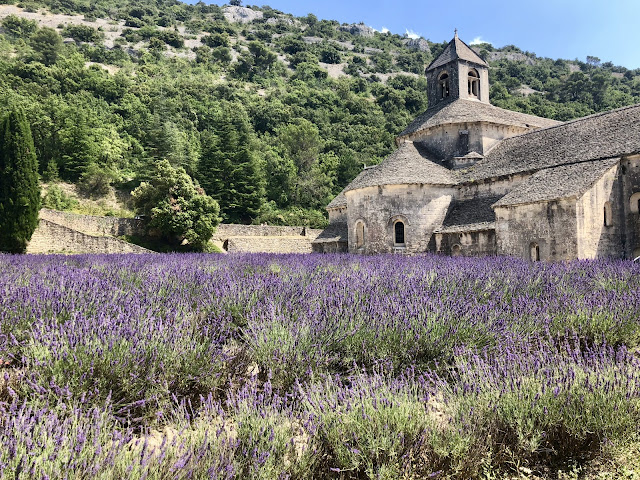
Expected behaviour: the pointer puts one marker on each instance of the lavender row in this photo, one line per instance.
(269, 366)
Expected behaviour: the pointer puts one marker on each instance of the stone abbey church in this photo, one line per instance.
(469, 178)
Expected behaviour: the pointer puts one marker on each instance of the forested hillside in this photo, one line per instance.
(272, 114)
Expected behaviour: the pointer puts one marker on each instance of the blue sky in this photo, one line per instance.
(566, 29)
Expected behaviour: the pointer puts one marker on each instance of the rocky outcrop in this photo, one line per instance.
(418, 44)
(358, 29)
(235, 14)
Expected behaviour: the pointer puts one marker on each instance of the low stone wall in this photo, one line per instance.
(263, 244)
(225, 231)
(232, 238)
(99, 226)
(51, 237)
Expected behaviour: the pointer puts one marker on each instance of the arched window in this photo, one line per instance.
(443, 85)
(359, 235)
(456, 250)
(474, 83)
(534, 252)
(608, 217)
(398, 234)
(634, 203)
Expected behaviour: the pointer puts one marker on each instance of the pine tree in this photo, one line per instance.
(19, 185)
(228, 171)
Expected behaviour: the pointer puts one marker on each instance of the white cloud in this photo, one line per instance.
(478, 40)
(411, 34)
(385, 30)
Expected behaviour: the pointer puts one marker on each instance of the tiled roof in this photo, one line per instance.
(603, 135)
(338, 202)
(409, 164)
(457, 50)
(564, 181)
(469, 111)
(470, 215)
(335, 232)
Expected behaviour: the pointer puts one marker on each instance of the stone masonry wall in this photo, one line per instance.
(233, 238)
(263, 244)
(480, 243)
(225, 231)
(630, 196)
(50, 237)
(91, 225)
(595, 239)
(421, 207)
(550, 225)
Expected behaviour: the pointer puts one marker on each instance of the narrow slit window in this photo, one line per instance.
(534, 249)
(608, 218)
(360, 235)
(399, 234)
(634, 203)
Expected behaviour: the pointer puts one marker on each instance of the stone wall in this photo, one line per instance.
(51, 237)
(458, 139)
(630, 193)
(99, 226)
(550, 225)
(491, 187)
(468, 244)
(421, 207)
(595, 239)
(232, 238)
(264, 244)
(225, 231)
(337, 215)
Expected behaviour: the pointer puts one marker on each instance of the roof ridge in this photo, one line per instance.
(577, 193)
(570, 122)
(456, 47)
(456, 38)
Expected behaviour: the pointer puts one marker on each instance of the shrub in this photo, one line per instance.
(83, 33)
(177, 206)
(57, 199)
(96, 181)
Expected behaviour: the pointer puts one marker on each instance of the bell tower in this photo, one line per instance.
(458, 73)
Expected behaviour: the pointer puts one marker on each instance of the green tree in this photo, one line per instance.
(301, 144)
(19, 185)
(47, 44)
(258, 60)
(177, 206)
(229, 168)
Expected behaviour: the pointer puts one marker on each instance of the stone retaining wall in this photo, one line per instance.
(257, 244)
(225, 231)
(51, 237)
(98, 226)
(73, 233)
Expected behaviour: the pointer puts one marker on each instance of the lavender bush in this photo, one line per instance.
(285, 366)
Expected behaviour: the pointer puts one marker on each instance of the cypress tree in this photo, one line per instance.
(229, 172)
(19, 185)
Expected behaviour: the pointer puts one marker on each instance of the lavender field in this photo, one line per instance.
(276, 367)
